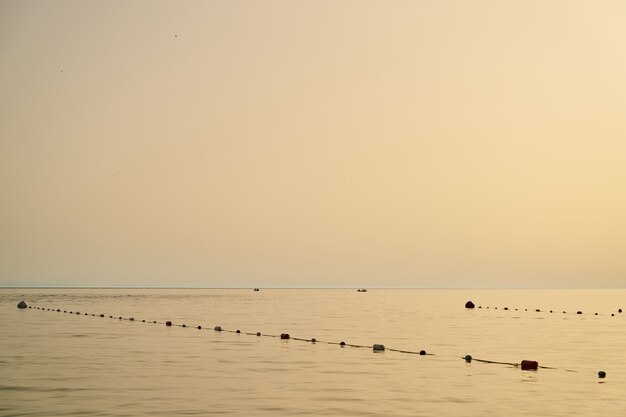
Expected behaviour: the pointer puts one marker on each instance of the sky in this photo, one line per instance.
(313, 143)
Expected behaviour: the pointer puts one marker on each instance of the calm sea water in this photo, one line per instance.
(56, 364)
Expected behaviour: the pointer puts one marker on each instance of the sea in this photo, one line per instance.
(57, 363)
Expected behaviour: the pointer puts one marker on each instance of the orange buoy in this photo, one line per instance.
(529, 365)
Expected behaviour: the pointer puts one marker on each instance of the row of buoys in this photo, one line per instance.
(471, 305)
(525, 365)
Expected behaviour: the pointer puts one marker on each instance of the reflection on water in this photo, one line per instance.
(56, 364)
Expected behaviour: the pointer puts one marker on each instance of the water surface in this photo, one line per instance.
(56, 364)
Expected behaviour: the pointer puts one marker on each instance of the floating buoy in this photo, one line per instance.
(258, 333)
(564, 312)
(469, 304)
(284, 336)
(550, 311)
(619, 311)
(579, 312)
(538, 310)
(506, 308)
(342, 344)
(313, 340)
(111, 317)
(58, 310)
(529, 365)
(22, 305)
(378, 348)
(131, 319)
(422, 352)
(601, 374)
(184, 325)
(101, 315)
(595, 314)
(120, 317)
(199, 327)
(238, 331)
(143, 321)
(78, 312)
(468, 358)
(218, 328)
(168, 323)
(480, 306)
(612, 314)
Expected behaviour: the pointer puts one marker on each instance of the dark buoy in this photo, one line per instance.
(218, 328)
(258, 333)
(579, 312)
(199, 327)
(480, 306)
(22, 305)
(78, 312)
(469, 304)
(612, 314)
(550, 311)
(143, 321)
(184, 325)
(601, 374)
(619, 311)
(378, 348)
(313, 340)
(168, 323)
(342, 344)
(538, 310)
(120, 318)
(530, 365)
(595, 314)
(506, 308)
(132, 319)
(101, 315)
(422, 352)
(58, 310)
(238, 331)
(284, 336)
(468, 358)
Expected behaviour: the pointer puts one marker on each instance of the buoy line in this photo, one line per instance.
(524, 365)
(470, 305)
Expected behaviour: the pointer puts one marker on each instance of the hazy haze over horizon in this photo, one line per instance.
(313, 143)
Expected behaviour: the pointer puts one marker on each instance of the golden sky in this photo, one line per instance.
(313, 143)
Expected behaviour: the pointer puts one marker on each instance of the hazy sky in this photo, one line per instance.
(313, 143)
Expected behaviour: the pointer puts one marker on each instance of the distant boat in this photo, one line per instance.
(256, 289)
(361, 290)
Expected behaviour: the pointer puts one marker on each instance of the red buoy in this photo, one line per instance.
(530, 365)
